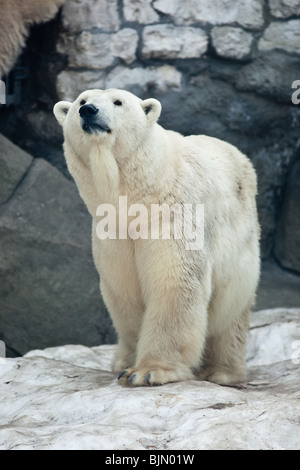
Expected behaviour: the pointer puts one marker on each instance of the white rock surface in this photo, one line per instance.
(91, 51)
(124, 44)
(140, 11)
(231, 42)
(282, 35)
(71, 83)
(248, 13)
(163, 78)
(80, 14)
(166, 41)
(67, 398)
(284, 8)
(97, 51)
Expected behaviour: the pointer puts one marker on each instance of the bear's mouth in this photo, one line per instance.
(93, 128)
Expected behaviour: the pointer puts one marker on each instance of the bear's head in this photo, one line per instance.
(112, 118)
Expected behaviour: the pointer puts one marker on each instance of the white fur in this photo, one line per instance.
(177, 312)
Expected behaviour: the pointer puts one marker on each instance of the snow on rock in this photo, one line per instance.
(67, 398)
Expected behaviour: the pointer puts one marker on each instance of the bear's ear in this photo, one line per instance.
(61, 110)
(152, 109)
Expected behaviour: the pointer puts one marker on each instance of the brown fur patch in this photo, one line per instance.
(15, 20)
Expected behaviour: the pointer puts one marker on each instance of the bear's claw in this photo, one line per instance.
(127, 378)
(131, 378)
(135, 377)
(123, 372)
(147, 379)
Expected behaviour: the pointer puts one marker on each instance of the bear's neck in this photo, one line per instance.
(148, 175)
(105, 175)
(96, 176)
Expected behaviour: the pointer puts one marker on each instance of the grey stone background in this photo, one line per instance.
(222, 68)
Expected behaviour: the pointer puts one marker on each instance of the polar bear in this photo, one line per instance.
(180, 313)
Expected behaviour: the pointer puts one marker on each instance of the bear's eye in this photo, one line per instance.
(82, 102)
(118, 103)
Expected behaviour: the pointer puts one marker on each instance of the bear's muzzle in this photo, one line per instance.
(91, 121)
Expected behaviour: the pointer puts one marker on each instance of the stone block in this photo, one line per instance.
(138, 79)
(284, 8)
(49, 288)
(124, 44)
(247, 13)
(166, 41)
(14, 163)
(91, 51)
(282, 35)
(231, 42)
(140, 11)
(98, 51)
(101, 14)
(71, 83)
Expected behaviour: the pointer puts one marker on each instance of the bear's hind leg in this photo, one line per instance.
(224, 357)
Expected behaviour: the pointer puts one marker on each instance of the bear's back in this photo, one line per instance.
(223, 165)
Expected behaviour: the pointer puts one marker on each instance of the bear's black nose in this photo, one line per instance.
(88, 111)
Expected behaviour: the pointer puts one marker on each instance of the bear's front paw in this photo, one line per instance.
(145, 376)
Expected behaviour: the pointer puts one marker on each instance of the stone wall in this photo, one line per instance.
(223, 68)
(114, 40)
